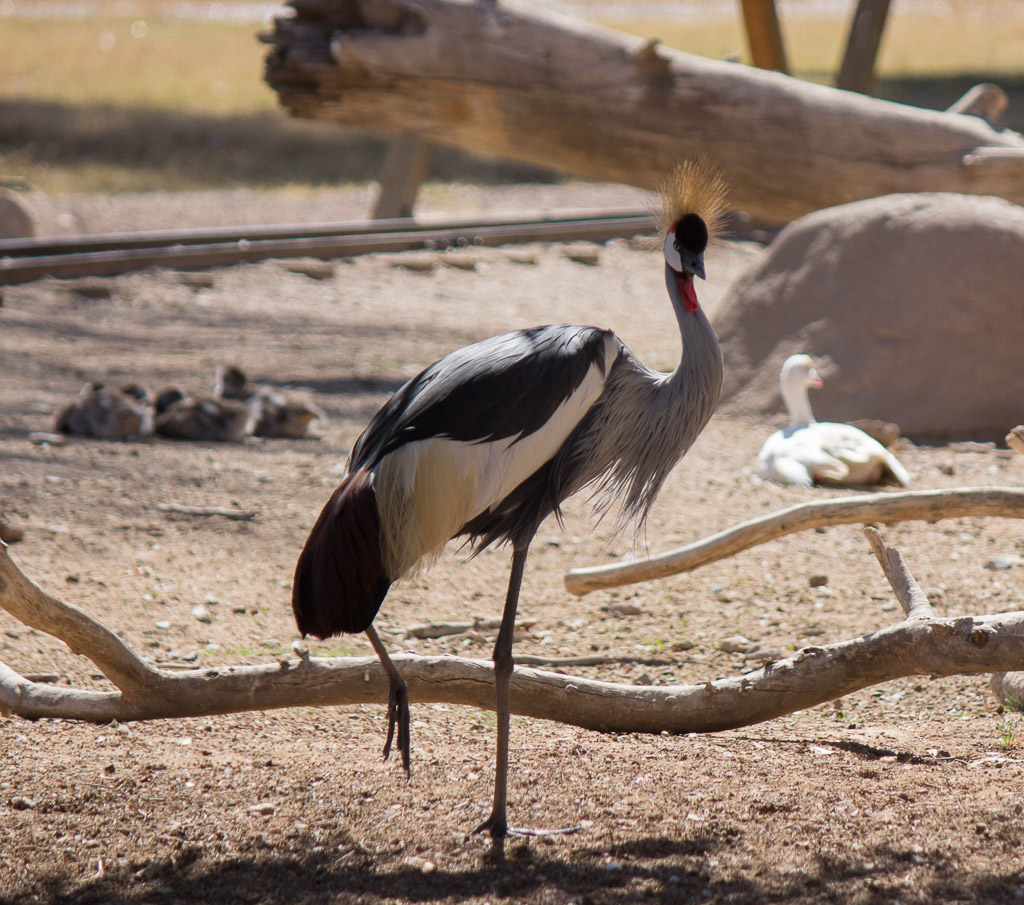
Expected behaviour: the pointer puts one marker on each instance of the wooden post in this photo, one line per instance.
(764, 35)
(405, 169)
(857, 72)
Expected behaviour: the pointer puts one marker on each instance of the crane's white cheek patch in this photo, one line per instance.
(427, 490)
(672, 254)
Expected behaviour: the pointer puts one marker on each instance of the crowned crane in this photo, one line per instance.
(490, 440)
(808, 452)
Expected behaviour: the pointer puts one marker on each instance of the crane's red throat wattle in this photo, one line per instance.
(688, 293)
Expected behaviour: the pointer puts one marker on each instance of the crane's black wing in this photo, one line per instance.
(505, 386)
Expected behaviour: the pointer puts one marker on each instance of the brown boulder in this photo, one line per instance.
(15, 220)
(912, 306)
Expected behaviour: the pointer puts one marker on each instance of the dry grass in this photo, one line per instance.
(155, 62)
(960, 37)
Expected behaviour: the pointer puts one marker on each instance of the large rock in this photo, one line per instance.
(15, 220)
(912, 304)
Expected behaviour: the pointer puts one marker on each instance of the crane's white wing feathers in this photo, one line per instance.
(428, 489)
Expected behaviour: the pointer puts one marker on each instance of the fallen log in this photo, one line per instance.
(516, 81)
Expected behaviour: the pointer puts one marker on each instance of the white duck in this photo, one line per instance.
(810, 452)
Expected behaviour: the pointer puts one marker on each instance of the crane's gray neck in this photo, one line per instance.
(700, 368)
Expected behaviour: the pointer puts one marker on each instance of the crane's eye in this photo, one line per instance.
(675, 245)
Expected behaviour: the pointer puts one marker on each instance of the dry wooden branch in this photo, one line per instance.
(935, 647)
(517, 81)
(908, 592)
(238, 515)
(887, 508)
(425, 630)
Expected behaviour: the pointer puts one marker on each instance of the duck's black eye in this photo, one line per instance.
(691, 233)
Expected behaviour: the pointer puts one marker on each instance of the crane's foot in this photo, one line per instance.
(496, 826)
(398, 718)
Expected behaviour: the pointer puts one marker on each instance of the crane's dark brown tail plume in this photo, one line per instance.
(340, 580)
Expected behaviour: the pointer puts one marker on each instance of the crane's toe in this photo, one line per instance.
(496, 826)
(398, 717)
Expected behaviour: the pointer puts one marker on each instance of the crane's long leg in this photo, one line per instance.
(497, 823)
(398, 702)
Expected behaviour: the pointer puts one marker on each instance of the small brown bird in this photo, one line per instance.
(231, 383)
(272, 412)
(106, 413)
(277, 413)
(203, 418)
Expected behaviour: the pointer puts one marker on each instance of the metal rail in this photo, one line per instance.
(115, 253)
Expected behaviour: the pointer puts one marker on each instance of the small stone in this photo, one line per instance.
(736, 644)
(623, 609)
(45, 438)
(201, 614)
(22, 803)
(311, 267)
(196, 280)
(1003, 561)
(110, 769)
(89, 288)
(582, 254)
(416, 263)
(10, 534)
(265, 809)
(460, 261)
(818, 581)
(162, 623)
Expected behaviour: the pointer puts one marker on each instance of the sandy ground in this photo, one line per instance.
(907, 792)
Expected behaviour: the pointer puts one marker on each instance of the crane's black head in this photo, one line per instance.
(684, 253)
(685, 243)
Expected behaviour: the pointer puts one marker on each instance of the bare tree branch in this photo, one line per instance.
(908, 592)
(887, 508)
(29, 604)
(237, 515)
(919, 646)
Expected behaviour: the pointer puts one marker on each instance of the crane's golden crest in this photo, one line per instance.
(695, 186)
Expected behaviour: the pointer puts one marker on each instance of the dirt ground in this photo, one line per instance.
(907, 792)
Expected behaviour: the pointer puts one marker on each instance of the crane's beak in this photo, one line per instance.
(693, 262)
